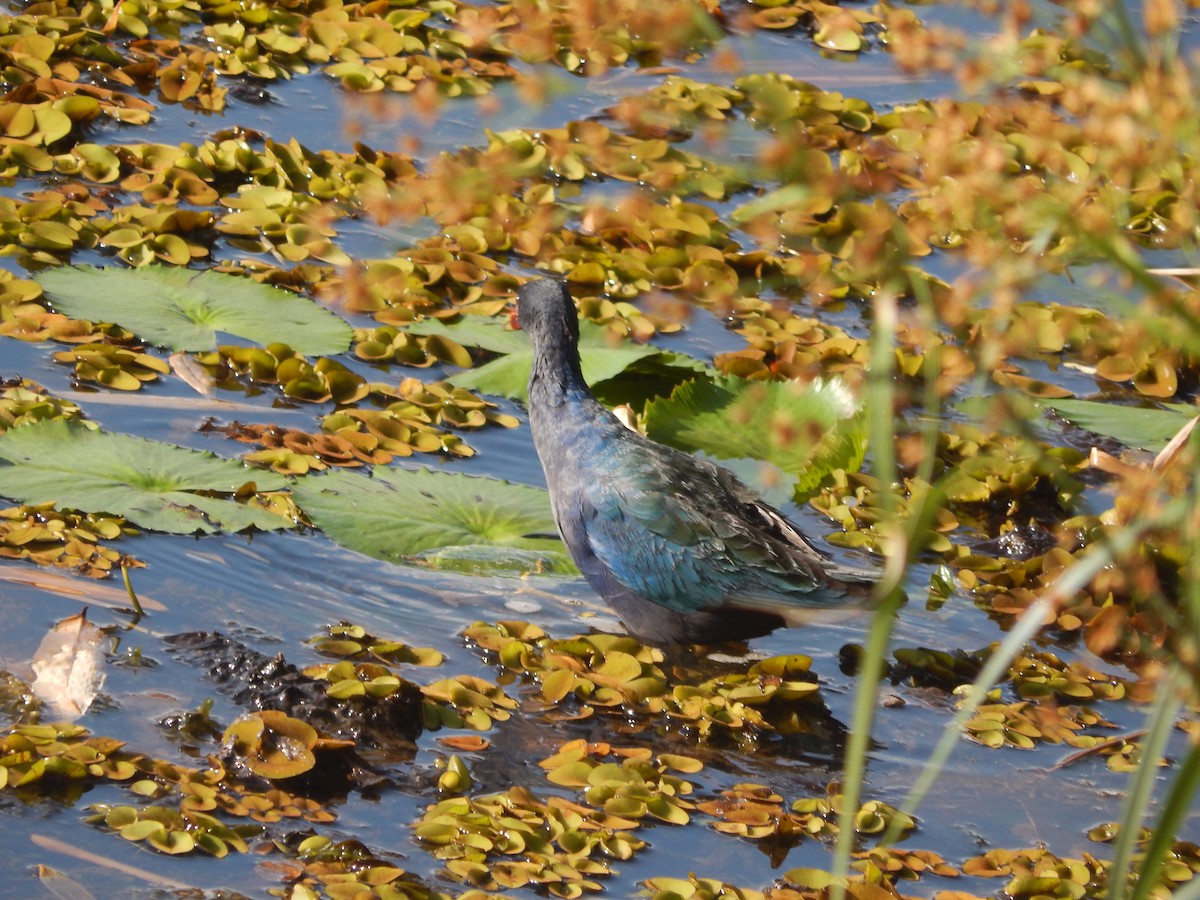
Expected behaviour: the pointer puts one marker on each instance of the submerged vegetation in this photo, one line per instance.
(962, 324)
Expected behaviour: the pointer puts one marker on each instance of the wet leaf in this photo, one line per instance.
(1147, 428)
(68, 666)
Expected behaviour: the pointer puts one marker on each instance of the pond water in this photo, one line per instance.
(274, 591)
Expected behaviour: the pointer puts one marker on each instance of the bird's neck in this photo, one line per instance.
(555, 382)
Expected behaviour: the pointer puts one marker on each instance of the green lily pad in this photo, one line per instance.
(182, 309)
(447, 520)
(806, 431)
(150, 483)
(1134, 426)
(508, 376)
(651, 376)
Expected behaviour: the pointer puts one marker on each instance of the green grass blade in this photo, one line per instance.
(879, 403)
(1177, 807)
(1159, 721)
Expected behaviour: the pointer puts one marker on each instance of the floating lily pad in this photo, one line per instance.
(182, 309)
(651, 376)
(152, 484)
(448, 520)
(508, 376)
(807, 431)
(1134, 426)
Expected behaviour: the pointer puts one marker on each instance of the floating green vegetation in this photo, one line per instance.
(352, 642)
(573, 678)
(173, 831)
(182, 310)
(514, 838)
(1038, 872)
(113, 367)
(412, 416)
(466, 701)
(438, 403)
(585, 674)
(348, 868)
(23, 402)
(551, 841)
(1023, 724)
(68, 754)
(630, 786)
(291, 451)
(441, 519)
(756, 812)
(154, 485)
(324, 381)
(43, 535)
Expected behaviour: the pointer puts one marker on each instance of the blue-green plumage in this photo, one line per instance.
(678, 547)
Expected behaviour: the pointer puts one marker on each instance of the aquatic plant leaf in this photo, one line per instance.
(421, 516)
(650, 377)
(68, 540)
(151, 483)
(181, 309)
(272, 744)
(508, 376)
(806, 431)
(1134, 426)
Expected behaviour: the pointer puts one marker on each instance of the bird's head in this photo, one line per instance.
(546, 311)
